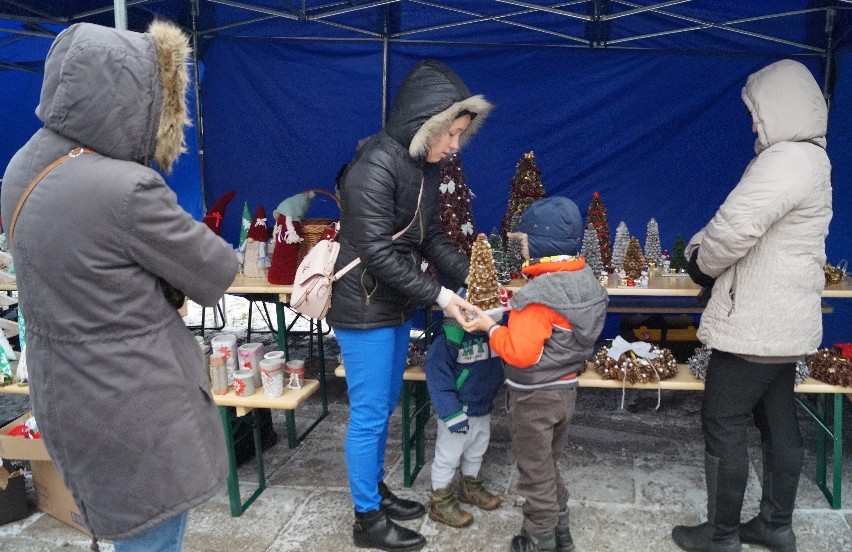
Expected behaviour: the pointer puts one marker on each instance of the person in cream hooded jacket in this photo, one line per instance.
(762, 254)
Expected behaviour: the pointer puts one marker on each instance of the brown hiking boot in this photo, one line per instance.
(472, 491)
(444, 508)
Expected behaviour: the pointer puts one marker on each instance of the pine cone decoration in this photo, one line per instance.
(829, 366)
(632, 369)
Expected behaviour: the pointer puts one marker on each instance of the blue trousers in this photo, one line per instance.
(166, 537)
(374, 361)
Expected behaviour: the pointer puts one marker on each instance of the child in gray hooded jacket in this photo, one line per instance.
(555, 320)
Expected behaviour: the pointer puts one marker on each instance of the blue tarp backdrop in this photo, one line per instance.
(631, 107)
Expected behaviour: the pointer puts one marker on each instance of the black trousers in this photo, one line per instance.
(736, 392)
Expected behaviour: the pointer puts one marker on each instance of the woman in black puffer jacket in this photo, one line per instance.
(391, 185)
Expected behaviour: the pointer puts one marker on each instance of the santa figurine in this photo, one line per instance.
(504, 297)
(256, 262)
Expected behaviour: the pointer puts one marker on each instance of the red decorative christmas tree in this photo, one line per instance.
(596, 214)
(526, 187)
(456, 215)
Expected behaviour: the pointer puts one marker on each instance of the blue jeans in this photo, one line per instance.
(166, 537)
(374, 361)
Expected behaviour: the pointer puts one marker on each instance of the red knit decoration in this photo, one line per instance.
(285, 256)
(216, 213)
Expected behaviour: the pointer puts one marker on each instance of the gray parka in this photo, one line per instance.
(379, 192)
(117, 382)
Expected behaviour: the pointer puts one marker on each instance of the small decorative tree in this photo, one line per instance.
(482, 288)
(498, 253)
(653, 251)
(456, 216)
(514, 250)
(619, 246)
(245, 225)
(525, 188)
(591, 250)
(634, 261)
(596, 214)
(679, 262)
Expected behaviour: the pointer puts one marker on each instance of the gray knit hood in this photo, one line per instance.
(576, 295)
(130, 103)
(429, 100)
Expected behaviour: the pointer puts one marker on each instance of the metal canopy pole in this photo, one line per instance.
(199, 120)
(829, 55)
(120, 8)
(385, 69)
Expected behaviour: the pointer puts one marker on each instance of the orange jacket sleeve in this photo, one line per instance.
(521, 342)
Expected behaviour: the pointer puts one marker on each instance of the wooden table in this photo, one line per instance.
(288, 402)
(675, 295)
(236, 411)
(830, 426)
(414, 385)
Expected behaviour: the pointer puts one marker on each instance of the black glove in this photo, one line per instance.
(695, 273)
(703, 280)
(704, 296)
(174, 296)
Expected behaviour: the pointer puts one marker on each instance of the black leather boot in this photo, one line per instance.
(724, 501)
(564, 542)
(773, 526)
(527, 542)
(399, 508)
(374, 530)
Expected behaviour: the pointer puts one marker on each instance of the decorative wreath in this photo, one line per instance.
(637, 362)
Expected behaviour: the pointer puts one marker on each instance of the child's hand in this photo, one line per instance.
(460, 427)
(482, 322)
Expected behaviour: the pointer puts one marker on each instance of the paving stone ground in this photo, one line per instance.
(633, 473)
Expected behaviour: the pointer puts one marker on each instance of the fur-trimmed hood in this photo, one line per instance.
(130, 102)
(429, 100)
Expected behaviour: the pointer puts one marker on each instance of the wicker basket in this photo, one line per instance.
(312, 228)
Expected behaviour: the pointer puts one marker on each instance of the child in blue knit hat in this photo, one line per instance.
(555, 320)
(463, 377)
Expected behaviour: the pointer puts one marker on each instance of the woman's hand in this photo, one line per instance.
(464, 312)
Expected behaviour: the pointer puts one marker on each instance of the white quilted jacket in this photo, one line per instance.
(766, 244)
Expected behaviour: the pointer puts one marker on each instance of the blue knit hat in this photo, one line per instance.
(553, 226)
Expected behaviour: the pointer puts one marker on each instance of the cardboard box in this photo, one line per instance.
(52, 496)
(19, 448)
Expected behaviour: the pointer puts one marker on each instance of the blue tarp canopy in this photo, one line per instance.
(638, 100)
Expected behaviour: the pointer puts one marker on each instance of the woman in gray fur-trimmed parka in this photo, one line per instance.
(762, 255)
(391, 186)
(117, 382)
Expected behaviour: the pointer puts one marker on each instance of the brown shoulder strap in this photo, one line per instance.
(73, 153)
